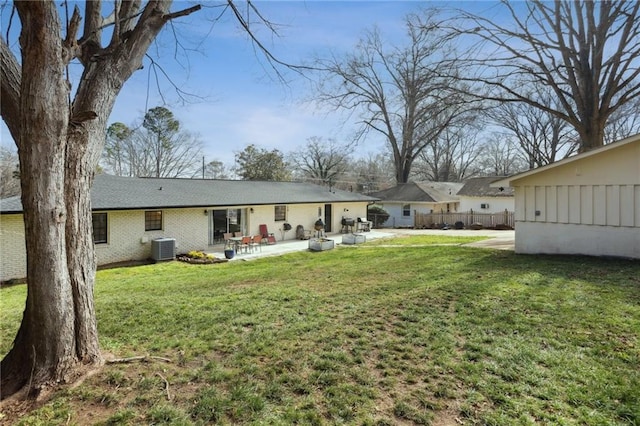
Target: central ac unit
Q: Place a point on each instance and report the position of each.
(163, 249)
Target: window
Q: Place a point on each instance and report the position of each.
(280, 213)
(406, 210)
(153, 220)
(99, 228)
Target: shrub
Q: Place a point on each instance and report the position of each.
(377, 215)
(195, 254)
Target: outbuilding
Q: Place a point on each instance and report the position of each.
(587, 204)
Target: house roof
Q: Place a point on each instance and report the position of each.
(615, 145)
(481, 187)
(131, 193)
(426, 192)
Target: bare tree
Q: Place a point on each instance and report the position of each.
(321, 162)
(624, 122)
(586, 52)
(373, 172)
(59, 128)
(501, 156)
(396, 92)
(452, 157)
(543, 138)
(9, 173)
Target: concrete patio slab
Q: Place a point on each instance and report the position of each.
(501, 240)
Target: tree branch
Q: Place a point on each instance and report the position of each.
(185, 12)
(141, 358)
(70, 44)
(10, 81)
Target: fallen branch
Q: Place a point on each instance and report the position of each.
(166, 385)
(142, 358)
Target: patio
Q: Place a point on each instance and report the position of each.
(498, 240)
(288, 246)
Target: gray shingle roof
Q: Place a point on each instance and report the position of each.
(480, 187)
(129, 193)
(428, 192)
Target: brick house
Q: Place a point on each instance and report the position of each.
(129, 213)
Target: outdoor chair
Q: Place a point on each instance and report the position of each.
(245, 244)
(256, 242)
(267, 236)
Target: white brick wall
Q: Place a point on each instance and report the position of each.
(13, 263)
(127, 240)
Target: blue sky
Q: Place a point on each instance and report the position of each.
(244, 101)
(241, 101)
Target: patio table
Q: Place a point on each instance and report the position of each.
(236, 243)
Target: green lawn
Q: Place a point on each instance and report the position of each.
(364, 335)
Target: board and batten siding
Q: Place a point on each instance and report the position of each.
(606, 205)
(589, 204)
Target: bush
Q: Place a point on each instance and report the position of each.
(195, 254)
(377, 215)
(198, 257)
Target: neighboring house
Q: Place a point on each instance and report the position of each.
(404, 201)
(478, 195)
(128, 213)
(587, 204)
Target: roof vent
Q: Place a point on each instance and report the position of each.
(163, 249)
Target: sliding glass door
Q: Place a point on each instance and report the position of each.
(224, 220)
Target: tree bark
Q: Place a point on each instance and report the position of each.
(59, 144)
(44, 348)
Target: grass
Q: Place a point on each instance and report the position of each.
(424, 240)
(366, 335)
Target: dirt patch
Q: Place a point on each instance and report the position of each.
(13, 408)
(447, 417)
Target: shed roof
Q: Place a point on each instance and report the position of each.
(426, 192)
(132, 193)
(481, 187)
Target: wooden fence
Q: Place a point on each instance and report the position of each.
(487, 220)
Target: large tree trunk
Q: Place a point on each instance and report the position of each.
(59, 145)
(81, 260)
(591, 135)
(39, 355)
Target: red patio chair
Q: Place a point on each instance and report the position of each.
(266, 235)
(256, 242)
(245, 244)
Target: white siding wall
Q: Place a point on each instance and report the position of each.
(567, 238)
(603, 205)
(397, 220)
(588, 206)
(496, 204)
